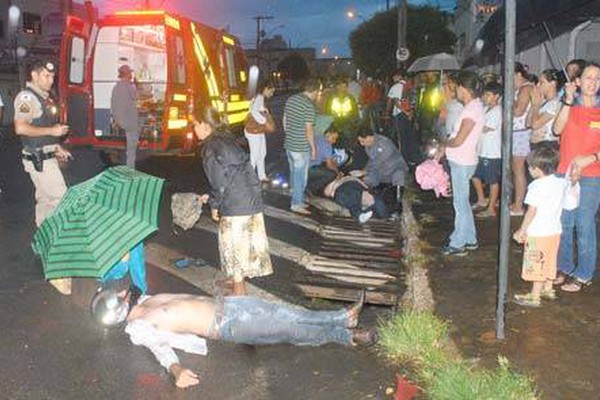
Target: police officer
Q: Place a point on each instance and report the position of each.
(36, 122)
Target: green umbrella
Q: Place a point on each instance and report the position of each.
(97, 222)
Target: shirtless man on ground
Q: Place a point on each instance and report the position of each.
(166, 321)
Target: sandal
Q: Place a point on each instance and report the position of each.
(549, 294)
(574, 286)
(527, 300)
(485, 214)
(560, 279)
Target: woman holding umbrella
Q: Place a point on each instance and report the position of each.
(235, 199)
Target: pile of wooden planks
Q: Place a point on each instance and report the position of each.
(351, 257)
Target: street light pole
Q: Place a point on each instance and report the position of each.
(258, 20)
(402, 20)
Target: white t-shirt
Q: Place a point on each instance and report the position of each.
(551, 108)
(396, 93)
(490, 144)
(546, 194)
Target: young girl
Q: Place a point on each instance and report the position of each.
(541, 227)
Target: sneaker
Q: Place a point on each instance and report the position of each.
(549, 294)
(364, 217)
(454, 251)
(471, 246)
(527, 300)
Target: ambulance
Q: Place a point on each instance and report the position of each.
(178, 64)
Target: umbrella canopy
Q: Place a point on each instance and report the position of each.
(435, 62)
(97, 222)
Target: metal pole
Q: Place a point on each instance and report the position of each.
(402, 21)
(507, 118)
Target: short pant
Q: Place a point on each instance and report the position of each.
(489, 170)
(520, 144)
(539, 258)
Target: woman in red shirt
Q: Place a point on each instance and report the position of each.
(578, 124)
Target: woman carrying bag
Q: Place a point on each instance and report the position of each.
(258, 123)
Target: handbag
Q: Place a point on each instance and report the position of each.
(252, 126)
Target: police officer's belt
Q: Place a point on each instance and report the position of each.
(39, 156)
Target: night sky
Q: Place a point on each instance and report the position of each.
(307, 23)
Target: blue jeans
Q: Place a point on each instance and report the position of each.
(252, 320)
(349, 195)
(298, 162)
(582, 222)
(464, 224)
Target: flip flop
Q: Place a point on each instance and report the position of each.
(574, 286)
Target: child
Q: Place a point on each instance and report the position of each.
(489, 167)
(541, 226)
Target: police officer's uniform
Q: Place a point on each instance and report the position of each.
(37, 108)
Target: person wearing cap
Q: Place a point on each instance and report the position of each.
(124, 111)
(36, 123)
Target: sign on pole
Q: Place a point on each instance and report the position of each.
(402, 54)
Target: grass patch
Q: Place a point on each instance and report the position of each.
(420, 339)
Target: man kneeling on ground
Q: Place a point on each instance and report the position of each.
(166, 321)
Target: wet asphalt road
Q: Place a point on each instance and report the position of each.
(49, 348)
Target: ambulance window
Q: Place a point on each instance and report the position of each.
(179, 61)
(76, 65)
(231, 67)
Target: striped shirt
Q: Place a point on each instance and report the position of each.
(299, 110)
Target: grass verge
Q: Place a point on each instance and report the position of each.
(420, 339)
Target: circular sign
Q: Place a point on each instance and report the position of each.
(402, 54)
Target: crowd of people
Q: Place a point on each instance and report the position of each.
(336, 148)
(555, 146)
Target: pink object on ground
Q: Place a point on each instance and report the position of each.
(430, 174)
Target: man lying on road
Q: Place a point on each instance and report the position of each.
(166, 321)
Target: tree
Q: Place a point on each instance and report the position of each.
(373, 43)
(294, 67)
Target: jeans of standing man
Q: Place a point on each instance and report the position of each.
(349, 195)
(251, 320)
(409, 146)
(464, 224)
(257, 143)
(133, 138)
(298, 163)
(582, 222)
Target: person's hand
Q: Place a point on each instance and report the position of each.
(63, 155)
(570, 89)
(184, 377)
(59, 130)
(536, 96)
(520, 236)
(203, 198)
(214, 214)
(440, 153)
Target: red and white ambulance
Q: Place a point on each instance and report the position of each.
(178, 65)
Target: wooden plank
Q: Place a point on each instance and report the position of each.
(387, 267)
(320, 280)
(345, 294)
(351, 272)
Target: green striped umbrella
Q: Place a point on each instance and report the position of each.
(97, 222)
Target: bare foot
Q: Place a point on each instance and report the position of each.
(354, 311)
(63, 285)
(364, 337)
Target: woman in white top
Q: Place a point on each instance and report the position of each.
(544, 107)
(521, 136)
(257, 141)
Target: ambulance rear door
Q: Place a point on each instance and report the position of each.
(75, 76)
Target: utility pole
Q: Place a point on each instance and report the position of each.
(258, 20)
(387, 5)
(402, 21)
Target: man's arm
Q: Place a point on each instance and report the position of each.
(23, 127)
(309, 131)
(142, 333)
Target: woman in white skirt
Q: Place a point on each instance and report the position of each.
(256, 140)
(236, 202)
